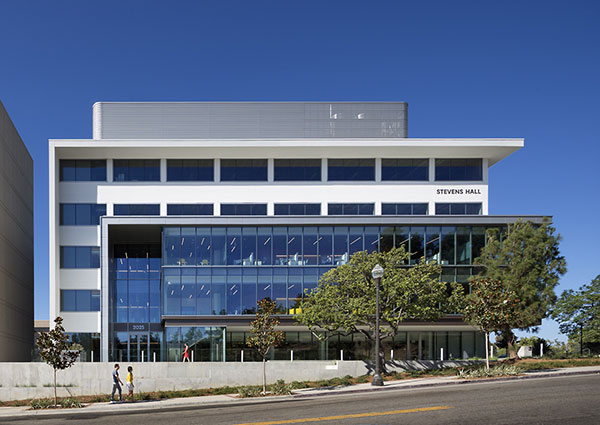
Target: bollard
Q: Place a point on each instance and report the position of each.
(291, 355)
(342, 355)
(242, 356)
(442, 354)
(192, 357)
(142, 356)
(541, 350)
(154, 357)
(392, 355)
(92, 356)
(491, 351)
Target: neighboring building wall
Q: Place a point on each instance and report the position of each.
(16, 244)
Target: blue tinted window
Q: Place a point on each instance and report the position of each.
(131, 170)
(297, 209)
(350, 209)
(82, 170)
(243, 209)
(190, 209)
(458, 170)
(351, 169)
(243, 170)
(404, 209)
(458, 208)
(405, 169)
(297, 170)
(136, 209)
(81, 214)
(190, 170)
(79, 300)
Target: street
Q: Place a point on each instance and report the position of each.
(557, 400)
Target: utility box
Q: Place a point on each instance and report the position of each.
(525, 352)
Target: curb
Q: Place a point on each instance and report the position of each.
(83, 414)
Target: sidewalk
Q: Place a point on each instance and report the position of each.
(206, 402)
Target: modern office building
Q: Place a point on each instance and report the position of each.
(16, 244)
(169, 225)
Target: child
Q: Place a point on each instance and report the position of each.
(129, 382)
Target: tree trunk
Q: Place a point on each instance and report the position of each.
(55, 398)
(487, 351)
(510, 343)
(264, 375)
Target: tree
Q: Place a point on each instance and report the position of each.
(578, 314)
(344, 301)
(56, 350)
(491, 307)
(263, 335)
(527, 260)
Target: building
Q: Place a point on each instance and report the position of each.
(16, 244)
(169, 225)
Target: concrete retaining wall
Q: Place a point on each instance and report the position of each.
(20, 381)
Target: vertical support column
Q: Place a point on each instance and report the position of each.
(431, 182)
(109, 170)
(270, 170)
(163, 170)
(484, 171)
(104, 299)
(324, 180)
(217, 170)
(377, 180)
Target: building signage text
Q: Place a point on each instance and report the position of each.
(462, 191)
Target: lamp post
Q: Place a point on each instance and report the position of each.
(377, 274)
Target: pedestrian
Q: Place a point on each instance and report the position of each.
(129, 382)
(186, 353)
(116, 384)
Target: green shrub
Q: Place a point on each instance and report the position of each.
(280, 388)
(496, 370)
(69, 402)
(362, 379)
(249, 391)
(41, 403)
(224, 390)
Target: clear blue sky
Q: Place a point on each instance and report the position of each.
(526, 69)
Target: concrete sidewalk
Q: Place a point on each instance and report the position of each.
(205, 402)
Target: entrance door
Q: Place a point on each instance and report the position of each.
(138, 347)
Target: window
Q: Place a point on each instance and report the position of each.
(82, 170)
(458, 170)
(79, 257)
(351, 169)
(243, 170)
(180, 170)
(459, 208)
(297, 209)
(404, 209)
(190, 209)
(405, 169)
(243, 209)
(136, 209)
(79, 300)
(81, 214)
(297, 170)
(136, 170)
(351, 209)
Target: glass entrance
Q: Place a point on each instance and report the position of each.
(138, 347)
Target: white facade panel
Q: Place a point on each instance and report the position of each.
(81, 321)
(79, 279)
(79, 236)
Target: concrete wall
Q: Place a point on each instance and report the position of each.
(16, 244)
(21, 381)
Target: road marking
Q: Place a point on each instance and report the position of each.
(355, 415)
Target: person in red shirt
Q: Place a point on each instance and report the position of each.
(186, 353)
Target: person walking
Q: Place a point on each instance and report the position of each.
(186, 353)
(116, 384)
(129, 382)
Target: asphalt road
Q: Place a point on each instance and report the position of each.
(559, 400)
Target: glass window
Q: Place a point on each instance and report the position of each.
(416, 244)
(264, 245)
(458, 170)
(243, 209)
(243, 170)
(249, 257)
(190, 170)
(297, 209)
(234, 246)
(405, 169)
(136, 209)
(297, 170)
(350, 169)
(448, 245)
(463, 245)
(81, 214)
(350, 209)
(203, 286)
(203, 240)
(218, 292)
(404, 209)
(190, 209)
(234, 290)
(172, 291)
(458, 208)
(79, 300)
(249, 290)
(132, 170)
(325, 245)
(82, 170)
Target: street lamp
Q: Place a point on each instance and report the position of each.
(377, 274)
